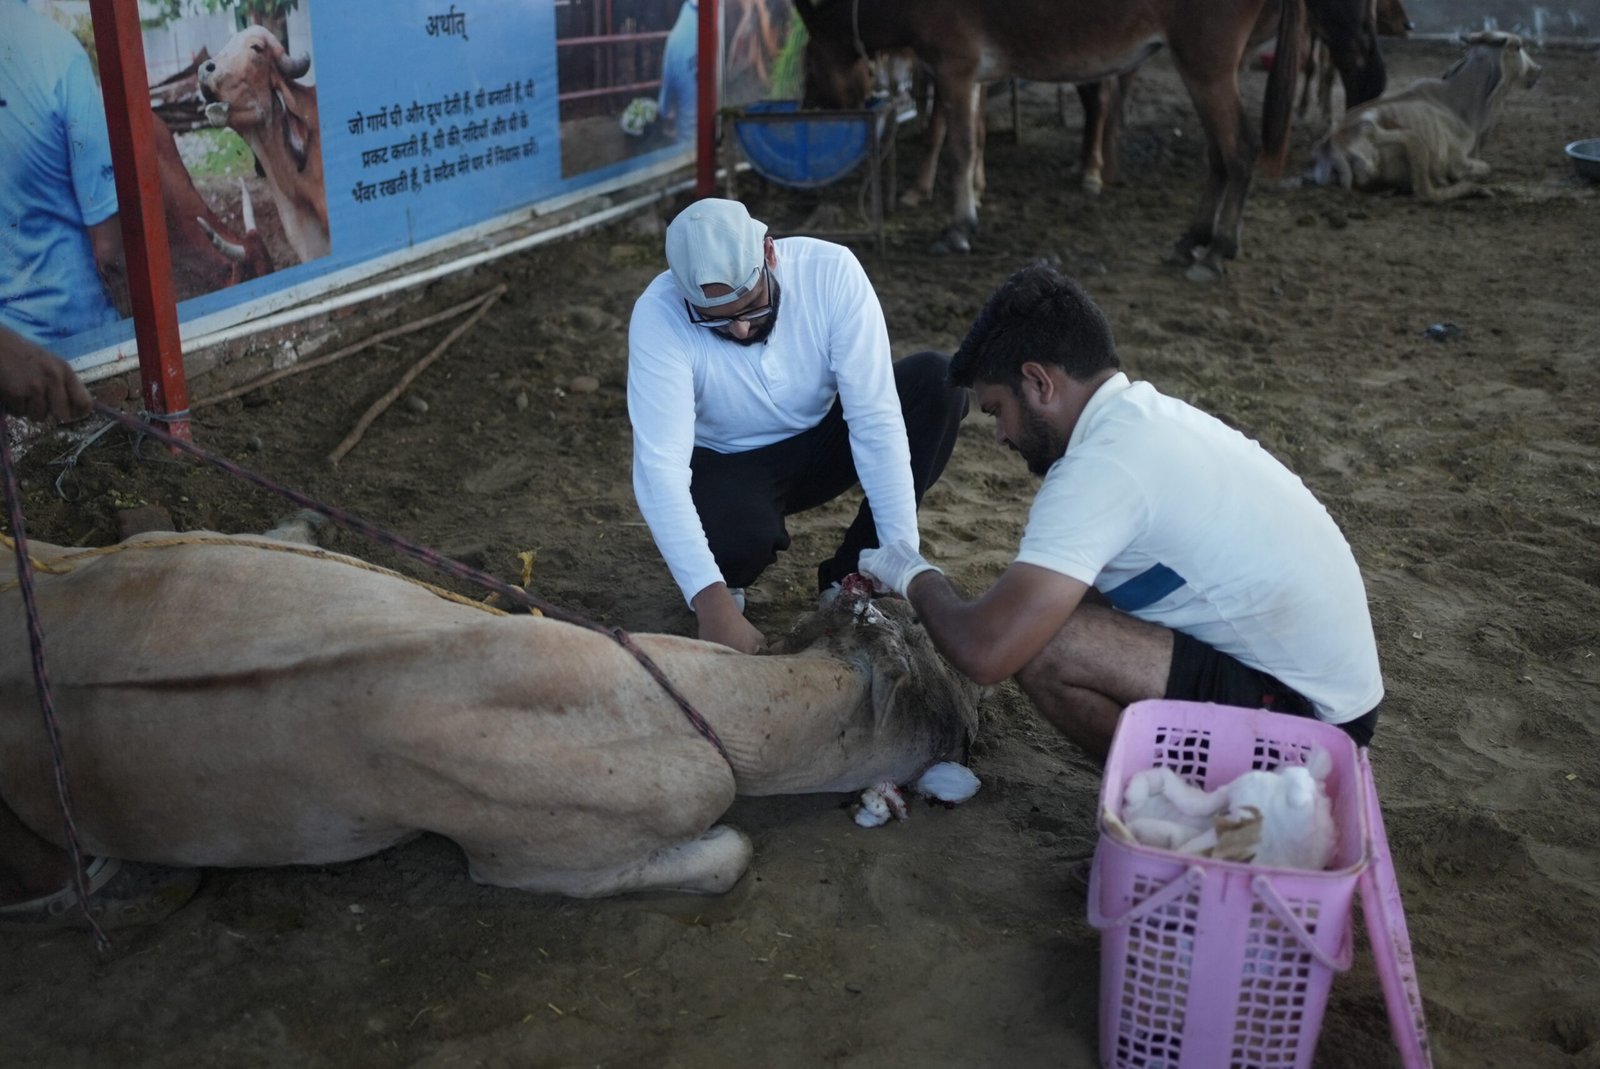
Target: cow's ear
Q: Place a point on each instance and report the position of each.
(295, 132)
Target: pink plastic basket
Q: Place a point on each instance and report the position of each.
(1217, 963)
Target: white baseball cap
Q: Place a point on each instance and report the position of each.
(714, 242)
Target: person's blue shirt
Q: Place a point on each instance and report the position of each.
(55, 179)
(678, 63)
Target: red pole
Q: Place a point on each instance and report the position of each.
(126, 87)
(708, 72)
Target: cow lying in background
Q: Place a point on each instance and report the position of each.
(251, 87)
(1426, 137)
(238, 701)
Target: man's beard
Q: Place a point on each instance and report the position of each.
(1040, 446)
(764, 331)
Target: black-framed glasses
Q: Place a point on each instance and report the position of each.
(749, 315)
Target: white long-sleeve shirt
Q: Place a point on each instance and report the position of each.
(688, 387)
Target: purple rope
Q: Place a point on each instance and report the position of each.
(41, 679)
(433, 558)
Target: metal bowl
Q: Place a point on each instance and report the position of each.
(1586, 158)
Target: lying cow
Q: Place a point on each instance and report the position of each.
(251, 87)
(1426, 137)
(238, 701)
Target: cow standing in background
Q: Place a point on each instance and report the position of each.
(251, 87)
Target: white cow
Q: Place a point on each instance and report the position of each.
(1426, 137)
(239, 701)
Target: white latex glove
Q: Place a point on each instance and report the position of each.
(892, 567)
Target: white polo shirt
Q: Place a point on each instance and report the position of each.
(1182, 521)
(688, 387)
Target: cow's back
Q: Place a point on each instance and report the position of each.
(258, 697)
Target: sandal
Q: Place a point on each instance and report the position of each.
(121, 894)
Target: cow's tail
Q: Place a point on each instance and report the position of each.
(1281, 82)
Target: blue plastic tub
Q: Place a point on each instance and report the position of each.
(805, 153)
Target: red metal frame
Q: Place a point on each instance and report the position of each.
(709, 68)
(126, 87)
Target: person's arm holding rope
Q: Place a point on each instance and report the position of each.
(36, 383)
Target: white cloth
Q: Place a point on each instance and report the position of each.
(1182, 521)
(689, 387)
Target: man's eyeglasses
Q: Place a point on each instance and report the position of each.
(749, 315)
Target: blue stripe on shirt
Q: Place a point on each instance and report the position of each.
(1145, 589)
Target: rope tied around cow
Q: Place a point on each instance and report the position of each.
(67, 562)
(143, 428)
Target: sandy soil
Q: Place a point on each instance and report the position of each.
(1464, 471)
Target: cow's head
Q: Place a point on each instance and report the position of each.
(1516, 66)
(837, 74)
(249, 85)
(919, 709)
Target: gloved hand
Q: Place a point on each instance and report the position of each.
(892, 567)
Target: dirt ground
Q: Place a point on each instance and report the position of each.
(1464, 471)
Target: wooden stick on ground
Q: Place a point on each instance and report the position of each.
(381, 404)
(339, 354)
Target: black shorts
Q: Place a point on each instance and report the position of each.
(1203, 674)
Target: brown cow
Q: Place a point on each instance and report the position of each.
(1426, 137)
(237, 701)
(1098, 158)
(1390, 19)
(207, 253)
(251, 87)
(966, 43)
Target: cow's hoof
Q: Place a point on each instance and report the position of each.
(1093, 185)
(1204, 271)
(951, 242)
(1180, 256)
(911, 198)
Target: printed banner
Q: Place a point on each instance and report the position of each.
(298, 139)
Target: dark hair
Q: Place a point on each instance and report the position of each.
(1042, 315)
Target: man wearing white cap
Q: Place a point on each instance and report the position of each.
(760, 384)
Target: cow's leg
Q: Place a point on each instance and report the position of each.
(922, 189)
(1325, 86)
(534, 808)
(1093, 96)
(1116, 105)
(710, 865)
(1231, 153)
(962, 95)
(980, 139)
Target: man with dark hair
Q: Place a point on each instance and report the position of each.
(1223, 578)
(760, 384)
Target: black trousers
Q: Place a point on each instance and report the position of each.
(742, 498)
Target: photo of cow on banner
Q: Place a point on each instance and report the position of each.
(237, 143)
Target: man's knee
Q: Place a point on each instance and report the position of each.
(923, 381)
(744, 546)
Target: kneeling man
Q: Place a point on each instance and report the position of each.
(1223, 578)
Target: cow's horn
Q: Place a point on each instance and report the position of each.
(293, 66)
(246, 207)
(229, 249)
